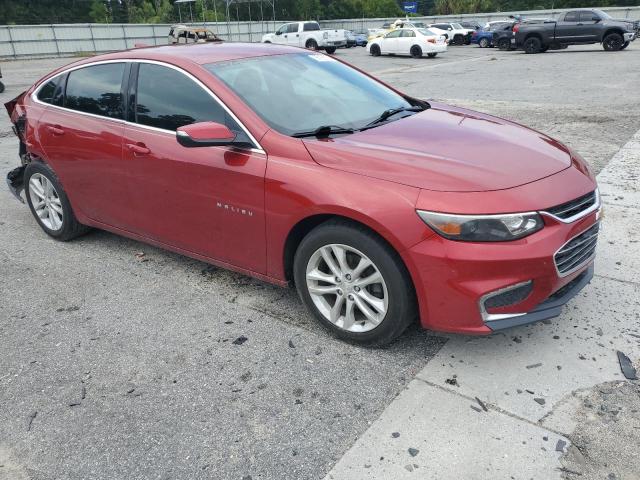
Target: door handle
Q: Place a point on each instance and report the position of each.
(55, 129)
(138, 149)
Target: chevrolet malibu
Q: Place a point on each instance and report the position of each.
(293, 167)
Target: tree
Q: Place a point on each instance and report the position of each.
(99, 12)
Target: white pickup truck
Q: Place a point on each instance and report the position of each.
(307, 35)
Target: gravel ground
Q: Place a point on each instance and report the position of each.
(118, 364)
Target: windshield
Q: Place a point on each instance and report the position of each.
(428, 33)
(457, 26)
(301, 92)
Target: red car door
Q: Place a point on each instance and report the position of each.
(81, 135)
(206, 200)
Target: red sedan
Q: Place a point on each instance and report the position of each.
(293, 167)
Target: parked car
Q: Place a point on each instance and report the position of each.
(295, 168)
(185, 34)
(457, 35)
(504, 37)
(307, 35)
(484, 37)
(388, 26)
(408, 41)
(471, 25)
(576, 27)
(354, 39)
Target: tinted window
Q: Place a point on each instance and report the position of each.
(571, 17)
(394, 34)
(311, 27)
(96, 90)
(292, 28)
(168, 99)
(408, 33)
(588, 17)
(48, 90)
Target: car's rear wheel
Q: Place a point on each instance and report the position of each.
(375, 50)
(458, 40)
(311, 44)
(354, 283)
(532, 45)
(483, 43)
(504, 44)
(49, 204)
(1, 87)
(613, 42)
(416, 51)
(432, 55)
(330, 50)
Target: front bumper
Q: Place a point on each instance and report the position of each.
(453, 278)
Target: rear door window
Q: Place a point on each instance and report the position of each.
(168, 99)
(96, 89)
(408, 33)
(588, 17)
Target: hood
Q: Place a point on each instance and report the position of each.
(446, 149)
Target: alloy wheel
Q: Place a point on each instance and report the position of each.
(347, 288)
(46, 202)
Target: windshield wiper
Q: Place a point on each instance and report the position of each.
(323, 131)
(390, 113)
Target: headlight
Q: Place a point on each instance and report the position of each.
(483, 228)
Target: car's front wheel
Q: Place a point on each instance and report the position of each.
(330, 50)
(624, 45)
(613, 42)
(483, 43)
(354, 283)
(375, 50)
(504, 44)
(49, 203)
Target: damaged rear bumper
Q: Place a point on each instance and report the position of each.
(15, 181)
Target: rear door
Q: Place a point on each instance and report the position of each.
(205, 200)
(81, 134)
(406, 40)
(293, 35)
(568, 29)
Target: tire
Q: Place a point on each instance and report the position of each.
(1, 87)
(311, 44)
(432, 55)
(416, 51)
(532, 45)
(375, 50)
(330, 50)
(483, 43)
(60, 221)
(624, 45)
(613, 42)
(458, 40)
(393, 295)
(544, 49)
(504, 44)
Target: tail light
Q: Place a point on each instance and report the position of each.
(431, 40)
(474, 34)
(516, 27)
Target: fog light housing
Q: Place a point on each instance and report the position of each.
(504, 297)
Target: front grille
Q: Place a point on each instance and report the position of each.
(577, 251)
(574, 207)
(509, 297)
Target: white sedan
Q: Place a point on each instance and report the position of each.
(408, 41)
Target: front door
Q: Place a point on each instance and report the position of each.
(390, 42)
(205, 200)
(568, 30)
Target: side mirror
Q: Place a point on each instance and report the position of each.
(279, 32)
(596, 19)
(205, 134)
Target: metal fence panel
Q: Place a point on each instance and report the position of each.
(34, 41)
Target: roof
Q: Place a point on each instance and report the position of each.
(203, 53)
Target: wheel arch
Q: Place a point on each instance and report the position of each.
(611, 30)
